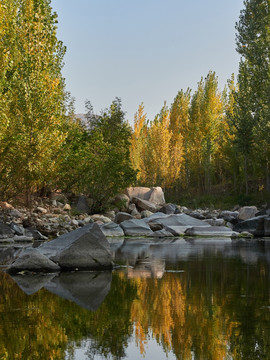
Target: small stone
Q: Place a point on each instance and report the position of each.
(74, 222)
(146, 213)
(67, 207)
(42, 210)
(88, 219)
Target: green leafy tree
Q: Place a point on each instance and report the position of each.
(34, 92)
(253, 44)
(96, 158)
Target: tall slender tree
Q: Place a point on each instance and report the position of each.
(253, 44)
(35, 94)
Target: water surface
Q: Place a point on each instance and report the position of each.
(195, 299)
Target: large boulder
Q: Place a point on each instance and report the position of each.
(154, 194)
(247, 212)
(85, 248)
(31, 259)
(255, 225)
(136, 227)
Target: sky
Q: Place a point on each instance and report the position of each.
(144, 50)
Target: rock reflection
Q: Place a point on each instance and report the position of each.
(86, 289)
(144, 268)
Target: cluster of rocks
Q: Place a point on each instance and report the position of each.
(139, 212)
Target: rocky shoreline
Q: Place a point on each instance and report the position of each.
(140, 212)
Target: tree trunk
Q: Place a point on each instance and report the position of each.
(246, 174)
(267, 177)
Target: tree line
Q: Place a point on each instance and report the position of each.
(206, 138)
(212, 138)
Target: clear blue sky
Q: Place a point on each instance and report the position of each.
(144, 50)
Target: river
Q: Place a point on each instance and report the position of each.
(202, 299)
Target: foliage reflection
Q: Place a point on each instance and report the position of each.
(215, 309)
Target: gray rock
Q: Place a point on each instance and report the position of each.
(155, 226)
(169, 209)
(111, 229)
(180, 220)
(220, 231)
(145, 204)
(18, 229)
(267, 226)
(31, 259)
(136, 227)
(153, 216)
(146, 214)
(177, 224)
(122, 216)
(197, 215)
(247, 212)
(264, 211)
(215, 222)
(162, 233)
(231, 216)
(83, 248)
(5, 231)
(131, 207)
(23, 239)
(35, 234)
(254, 225)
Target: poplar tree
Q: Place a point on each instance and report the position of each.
(253, 44)
(138, 142)
(179, 125)
(35, 94)
(206, 113)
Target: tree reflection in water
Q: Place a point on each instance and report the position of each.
(217, 308)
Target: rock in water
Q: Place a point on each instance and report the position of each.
(85, 249)
(32, 260)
